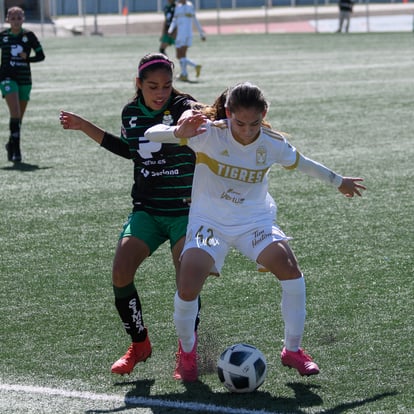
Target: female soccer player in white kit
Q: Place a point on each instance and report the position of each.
(231, 207)
(184, 16)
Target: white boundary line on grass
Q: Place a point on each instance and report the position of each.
(84, 395)
(142, 401)
(192, 406)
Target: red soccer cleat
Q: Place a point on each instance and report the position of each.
(299, 360)
(137, 352)
(186, 364)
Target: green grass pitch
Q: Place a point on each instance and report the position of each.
(346, 101)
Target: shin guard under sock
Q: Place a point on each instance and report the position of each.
(129, 308)
(293, 311)
(185, 315)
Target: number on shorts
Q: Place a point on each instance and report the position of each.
(205, 236)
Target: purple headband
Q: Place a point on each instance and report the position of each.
(151, 62)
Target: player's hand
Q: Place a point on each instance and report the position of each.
(186, 114)
(190, 126)
(351, 186)
(69, 120)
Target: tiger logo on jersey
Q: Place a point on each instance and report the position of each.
(261, 156)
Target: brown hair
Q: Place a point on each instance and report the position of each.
(14, 9)
(154, 61)
(242, 95)
(246, 95)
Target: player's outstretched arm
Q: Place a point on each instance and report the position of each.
(351, 186)
(188, 126)
(70, 120)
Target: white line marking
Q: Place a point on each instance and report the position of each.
(142, 401)
(61, 393)
(191, 406)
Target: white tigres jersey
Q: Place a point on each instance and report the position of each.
(230, 186)
(184, 16)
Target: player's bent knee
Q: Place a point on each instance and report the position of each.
(121, 278)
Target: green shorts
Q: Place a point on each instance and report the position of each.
(9, 86)
(154, 230)
(167, 39)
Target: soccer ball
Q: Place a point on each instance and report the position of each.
(242, 368)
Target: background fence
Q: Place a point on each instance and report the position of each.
(44, 9)
(145, 16)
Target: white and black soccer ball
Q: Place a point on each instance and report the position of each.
(242, 368)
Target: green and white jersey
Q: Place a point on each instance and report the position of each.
(163, 173)
(13, 66)
(169, 14)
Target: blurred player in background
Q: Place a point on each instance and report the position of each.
(161, 191)
(345, 12)
(166, 38)
(184, 16)
(15, 74)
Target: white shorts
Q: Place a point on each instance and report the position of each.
(217, 244)
(183, 41)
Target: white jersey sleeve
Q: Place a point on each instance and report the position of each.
(317, 170)
(198, 25)
(162, 133)
(306, 165)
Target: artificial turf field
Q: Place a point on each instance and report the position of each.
(346, 101)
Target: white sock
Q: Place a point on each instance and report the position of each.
(183, 65)
(185, 314)
(293, 311)
(191, 62)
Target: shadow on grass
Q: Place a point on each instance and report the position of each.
(24, 167)
(199, 398)
(349, 406)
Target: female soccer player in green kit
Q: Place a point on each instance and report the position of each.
(161, 191)
(15, 74)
